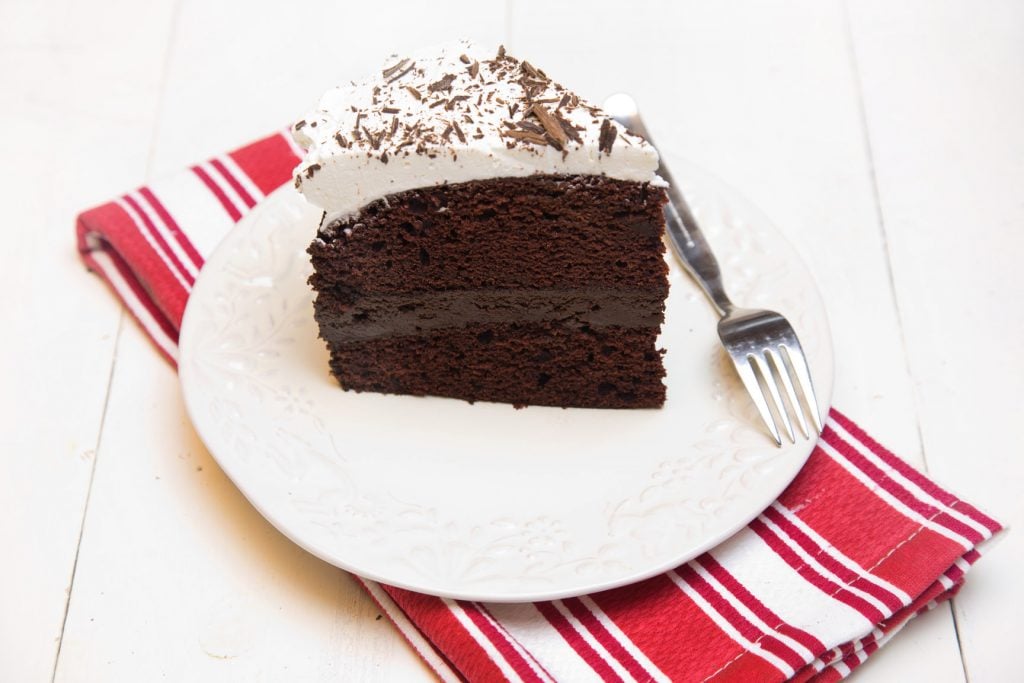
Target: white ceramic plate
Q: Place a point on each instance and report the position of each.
(483, 501)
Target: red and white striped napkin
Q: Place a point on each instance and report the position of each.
(858, 545)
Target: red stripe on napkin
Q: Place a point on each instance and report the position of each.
(858, 545)
(172, 226)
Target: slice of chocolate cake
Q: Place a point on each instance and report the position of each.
(487, 235)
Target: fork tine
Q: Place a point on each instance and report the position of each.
(746, 374)
(798, 365)
(773, 391)
(787, 384)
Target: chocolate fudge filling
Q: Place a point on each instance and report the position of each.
(387, 315)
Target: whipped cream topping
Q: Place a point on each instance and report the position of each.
(452, 114)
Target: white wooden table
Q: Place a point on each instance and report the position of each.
(886, 139)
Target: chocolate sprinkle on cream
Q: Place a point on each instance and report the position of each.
(402, 73)
(392, 70)
(556, 136)
(608, 135)
(444, 83)
(567, 128)
(458, 132)
(529, 68)
(526, 136)
(474, 116)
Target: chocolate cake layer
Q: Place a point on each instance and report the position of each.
(536, 232)
(350, 318)
(541, 363)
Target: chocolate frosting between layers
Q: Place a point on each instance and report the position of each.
(380, 316)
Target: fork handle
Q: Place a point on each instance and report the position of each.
(684, 232)
(690, 246)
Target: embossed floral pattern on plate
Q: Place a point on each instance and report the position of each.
(483, 501)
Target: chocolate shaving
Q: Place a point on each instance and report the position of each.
(455, 100)
(532, 84)
(552, 127)
(568, 128)
(394, 127)
(313, 168)
(359, 118)
(341, 140)
(447, 134)
(444, 83)
(464, 59)
(526, 136)
(299, 125)
(458, 132)
(374, 139)
(501, 52)
(390, 110)
(395, 68)
(437, 103)
(528, 68)
(532, 127)
(384, 157)
(474, 69)
(607, 136)
(405, 71)
(564, 101)
(414, 92)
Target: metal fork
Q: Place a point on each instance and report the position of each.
(762, 344)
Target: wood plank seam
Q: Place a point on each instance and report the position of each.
(880, 217)
(876, 198)
(150, 156)
(88, 496)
